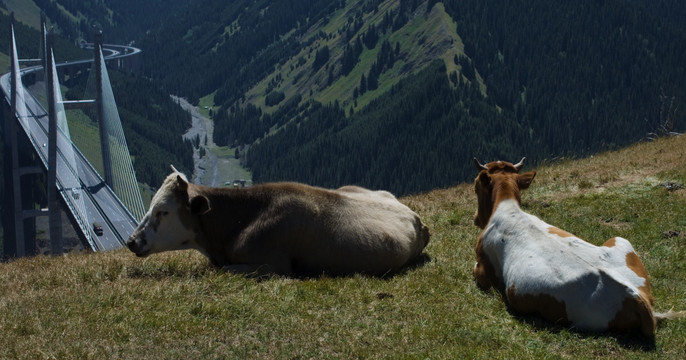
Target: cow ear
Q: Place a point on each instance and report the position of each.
(200, 205)
(525, 180)
(181, 183)
(484, 178)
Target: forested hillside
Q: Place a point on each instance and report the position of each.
(400, 94)
(228, 46)
(671, 11)
(121, 20)
(152, 124)
(28, 40)
(343, 92)
(578, 76)
(414, 137)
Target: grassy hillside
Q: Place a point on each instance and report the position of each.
(113, 305)
(423, 39)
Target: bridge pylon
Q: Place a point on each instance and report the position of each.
(100, 105)
(42, 51)
(102, 211)
(55, 216)
(21, 228)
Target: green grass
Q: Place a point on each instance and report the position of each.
(146, 194)
(85, 134)
(175, 305)
(425, 38)
(206, 101)
(228, 167)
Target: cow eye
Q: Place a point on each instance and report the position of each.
(162, 213)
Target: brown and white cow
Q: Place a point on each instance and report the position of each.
(282, 228)
(547, 271)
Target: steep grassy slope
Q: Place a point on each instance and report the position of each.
(113, 305)
(556, 79)
(427, 36)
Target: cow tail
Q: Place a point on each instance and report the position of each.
(669, 315)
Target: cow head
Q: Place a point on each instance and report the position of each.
(497, 181)
(171, 223)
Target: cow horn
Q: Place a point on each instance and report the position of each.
(478, 165)
(173, 169)
(520, 164)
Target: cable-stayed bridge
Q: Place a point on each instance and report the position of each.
(103, 210)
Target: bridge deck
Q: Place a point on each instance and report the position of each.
(101, 204)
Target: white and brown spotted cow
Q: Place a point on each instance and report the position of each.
(546, 271)
(282, 228)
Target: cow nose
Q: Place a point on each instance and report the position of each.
(134, 241)
(131, 243)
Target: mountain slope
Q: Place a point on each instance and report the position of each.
(433, 127)
(120, 20)
(555, 79)
(425, 37)
(538, 78)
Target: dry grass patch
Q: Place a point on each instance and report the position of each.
(611, 169)
(176, 306)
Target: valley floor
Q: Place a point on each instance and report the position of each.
(216, 166)
(205, 171)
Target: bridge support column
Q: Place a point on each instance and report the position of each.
(20, 227)
(100, 105)
(55, 215)
(43, 42)
(20, 234)
(12, 128)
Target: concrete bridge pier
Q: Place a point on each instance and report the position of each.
(20, 182)
(55, 215)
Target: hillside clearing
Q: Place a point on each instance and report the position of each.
(114, 305)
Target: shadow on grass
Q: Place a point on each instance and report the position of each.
(629, 340)
(414, 264)
(418, 262)
(179, 269)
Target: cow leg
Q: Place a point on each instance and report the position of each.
(482, 281)
(483, 272)
(636, 312)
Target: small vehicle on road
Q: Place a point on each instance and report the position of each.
(97, 229)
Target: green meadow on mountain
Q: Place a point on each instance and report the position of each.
(395, 94)
(345, 92)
